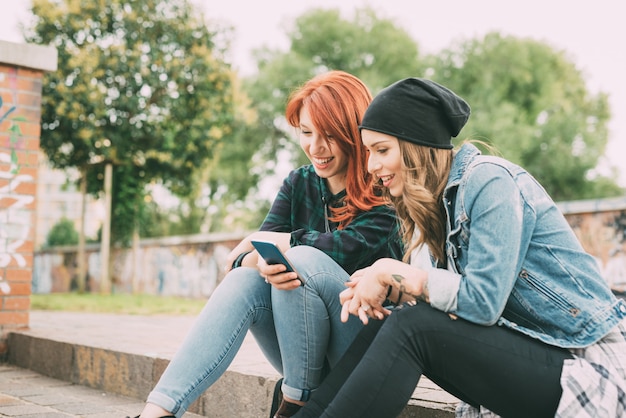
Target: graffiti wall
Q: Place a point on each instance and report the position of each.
(20, 111)
(15, 218)
(190, 267)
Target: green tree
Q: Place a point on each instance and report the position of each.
(140, 83)
(531, 102)
(62, 233)
(221, 199)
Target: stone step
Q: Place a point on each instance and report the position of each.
(126, 354)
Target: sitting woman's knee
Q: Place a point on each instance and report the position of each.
(302, 252)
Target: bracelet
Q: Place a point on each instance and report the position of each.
(399, 298)
(239, 259)
(423, 296)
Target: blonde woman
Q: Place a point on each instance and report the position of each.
(512, 316)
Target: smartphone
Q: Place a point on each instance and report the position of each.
(273, 255)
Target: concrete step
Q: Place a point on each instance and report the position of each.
(126, 354)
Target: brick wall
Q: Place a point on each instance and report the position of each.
(22, 68)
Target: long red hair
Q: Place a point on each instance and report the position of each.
(336, 102)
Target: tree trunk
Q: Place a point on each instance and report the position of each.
(82, 262)
(105, 243)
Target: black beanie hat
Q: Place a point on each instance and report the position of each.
(419, 111)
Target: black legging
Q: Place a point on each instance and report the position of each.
(509, 373)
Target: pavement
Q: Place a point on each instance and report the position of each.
(24, 393)
(104, 365)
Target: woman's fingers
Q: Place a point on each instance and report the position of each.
(362, 313)
(276, 275)
(345, 313)
(346, 295)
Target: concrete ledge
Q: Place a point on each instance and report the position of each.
(108, 361)
(33, 56)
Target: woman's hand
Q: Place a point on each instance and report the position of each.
(353, 304)
(245, 246)
(277, 276)
(367, 288)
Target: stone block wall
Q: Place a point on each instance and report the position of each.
(185, 266)
(21, 71)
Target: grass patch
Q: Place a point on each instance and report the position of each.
(116, 303)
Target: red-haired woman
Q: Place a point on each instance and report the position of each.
(330, 224)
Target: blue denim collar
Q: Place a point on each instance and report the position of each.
(462, 158)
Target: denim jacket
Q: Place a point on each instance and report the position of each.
(514, 260)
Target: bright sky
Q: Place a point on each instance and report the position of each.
(592, 34)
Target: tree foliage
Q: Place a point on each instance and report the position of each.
(144, 84)
(62, 233)
(140, 83)
(532, 104)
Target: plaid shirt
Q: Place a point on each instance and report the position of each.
(301, 208)
(593, 383)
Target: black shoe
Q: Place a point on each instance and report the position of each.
(277, 399)
(164, 416)
(287, 409)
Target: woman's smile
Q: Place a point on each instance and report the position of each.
(321, 163)
(386, 180)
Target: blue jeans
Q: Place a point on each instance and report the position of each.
(299, 331)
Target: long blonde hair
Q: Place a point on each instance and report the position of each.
(425, 173)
